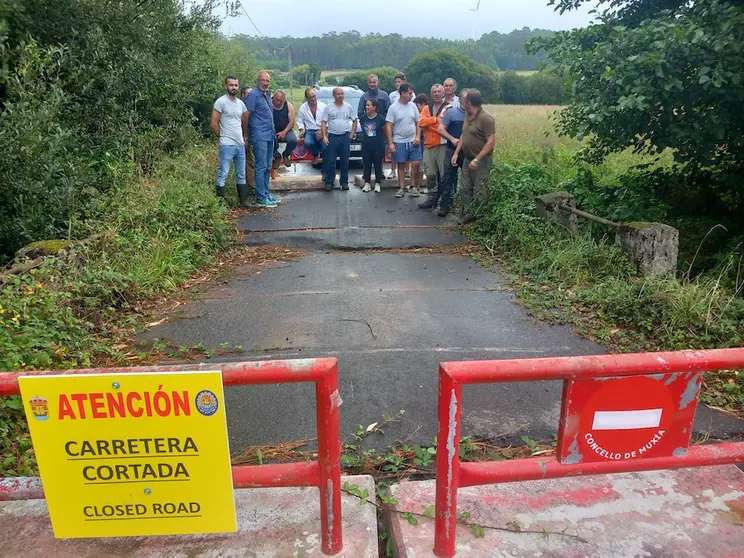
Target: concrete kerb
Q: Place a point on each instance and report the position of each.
(271, 522)
(685, 513)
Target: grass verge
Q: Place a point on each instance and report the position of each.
(75, 311)
(586, 280)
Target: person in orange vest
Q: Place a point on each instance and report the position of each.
(434, 145)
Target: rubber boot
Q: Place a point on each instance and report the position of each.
(243, 195)
(221, 194)
(430, 202)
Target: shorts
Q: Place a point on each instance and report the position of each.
(407, 152)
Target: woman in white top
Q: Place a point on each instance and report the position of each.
(309, 121)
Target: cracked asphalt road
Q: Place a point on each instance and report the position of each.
(389, 318)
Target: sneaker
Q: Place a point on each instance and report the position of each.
(377, 188)
(344, 186)
(266, 203)
(367, 187)
(329, 187)
(275, 199)
(287, 162)
(414, 192)
(400, 193)
(424, 190)
(443, 210)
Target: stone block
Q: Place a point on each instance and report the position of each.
(271, 522)
(687, 513)
(547, 207)
(651, 247)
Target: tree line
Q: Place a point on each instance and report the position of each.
(540, 88)
(93, 91)
(351, 50)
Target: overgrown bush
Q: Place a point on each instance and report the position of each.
(149, 237)
(92, 91)
(591, 272)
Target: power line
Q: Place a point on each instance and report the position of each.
(257, 29)
(287, 47)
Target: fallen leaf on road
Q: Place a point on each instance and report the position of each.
(153, 324)
(120, 346)
(371, 427)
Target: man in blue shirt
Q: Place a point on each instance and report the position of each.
(261, 136)
(450, 128)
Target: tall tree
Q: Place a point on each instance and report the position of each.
(658, 74)
(435, 67)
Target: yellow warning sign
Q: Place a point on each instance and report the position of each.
(132, 454)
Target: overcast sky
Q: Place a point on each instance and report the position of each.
(450, 19)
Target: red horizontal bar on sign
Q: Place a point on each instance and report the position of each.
(594, 366)
(306, 473)
(233, 373)
(536, 468)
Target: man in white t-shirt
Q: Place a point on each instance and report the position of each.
(399, 80)
(404, 138)
(229, 123)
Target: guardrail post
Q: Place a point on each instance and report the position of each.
(448, 465)
(329, 459)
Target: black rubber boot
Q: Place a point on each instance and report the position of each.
(430, 202)
(243, 194)
(221, 194)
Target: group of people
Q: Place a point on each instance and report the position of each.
(438, 136)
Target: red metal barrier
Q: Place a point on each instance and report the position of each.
(325, 473)
(451, 474)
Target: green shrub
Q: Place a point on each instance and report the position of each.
(148, 238)
(590, 271)
(92, 92)
(538, 88)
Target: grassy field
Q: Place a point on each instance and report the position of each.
(329, 73)
(525, 134)
(523, 72)
(526, 125)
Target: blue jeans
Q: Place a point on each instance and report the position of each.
(228, 154)
(338, 146)
(290, 142)
(312, 144)
(263, 150)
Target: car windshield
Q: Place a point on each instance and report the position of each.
(351, 97)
